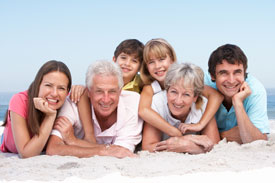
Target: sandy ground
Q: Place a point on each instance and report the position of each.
(227, 162)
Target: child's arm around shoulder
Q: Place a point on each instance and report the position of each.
(152, 117)
(85, 115)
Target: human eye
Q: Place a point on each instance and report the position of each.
(98, 91)
(239, 71)
(150, 62)
(63, 88)
(222, 73)
(47, 84)
(135, 60)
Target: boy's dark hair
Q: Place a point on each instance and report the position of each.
(229, 52)
(130, 47)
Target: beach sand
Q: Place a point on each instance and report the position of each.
(227, 162)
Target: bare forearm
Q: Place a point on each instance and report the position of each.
(154, 119)
(37, 143)
(248, 132)
(85, 115)
(82, 143)
(71, 150)
(214, 101)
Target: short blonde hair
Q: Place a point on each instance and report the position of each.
(160, 48)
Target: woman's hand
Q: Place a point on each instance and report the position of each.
(76, 92)
(43, 106)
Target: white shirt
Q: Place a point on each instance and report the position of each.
(126, 131)
(160, 105)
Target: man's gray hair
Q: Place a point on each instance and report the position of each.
(193, 76)
(103, 68)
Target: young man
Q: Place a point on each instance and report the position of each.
(242, 117)
(117, 127)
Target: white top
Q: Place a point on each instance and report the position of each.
(156, 87)
(159, 104)
(125, 132)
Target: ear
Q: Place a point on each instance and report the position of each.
(213, 78)
(114, 59)
(88, 93)
(195, 99)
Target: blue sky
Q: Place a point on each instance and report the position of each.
(79, 32)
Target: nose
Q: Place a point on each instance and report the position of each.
(158, 64)
(179, 99)
(54, 91)
(106, 98)
(127, 62)
(231, 78)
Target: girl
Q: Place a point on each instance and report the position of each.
(158, 55)
(32, 113)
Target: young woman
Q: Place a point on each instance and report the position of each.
(32, 113)
(181, 103)
(158, 55)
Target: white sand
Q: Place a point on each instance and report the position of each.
(227, 162)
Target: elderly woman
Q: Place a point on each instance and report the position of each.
(181, 103)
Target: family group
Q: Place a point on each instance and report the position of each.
(142, 100)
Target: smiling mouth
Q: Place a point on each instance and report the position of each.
(178, 106)
(160, 73)
(52, 100)
(231, 87)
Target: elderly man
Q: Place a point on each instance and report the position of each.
(117, 127)
(242, 117)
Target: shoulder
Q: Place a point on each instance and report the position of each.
(159, 100)
(129, 97)
(19, 99)
(68, 108)
(254, 84)
(156, 87)
(208, 81)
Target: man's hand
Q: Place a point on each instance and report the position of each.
(65, 127)
(118, 151)
(244, 92)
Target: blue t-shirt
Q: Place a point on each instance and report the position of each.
(255, 106)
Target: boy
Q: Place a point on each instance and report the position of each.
(129, 56)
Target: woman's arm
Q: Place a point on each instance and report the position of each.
(85, 115)
(150, 137)
(211, 131)
(26, 145)
(152, 117)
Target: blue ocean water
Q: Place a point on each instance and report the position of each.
(6, 96)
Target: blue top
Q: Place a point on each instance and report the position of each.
(255, 106)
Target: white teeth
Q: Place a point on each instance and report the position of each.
(177, 106)
(51, 100)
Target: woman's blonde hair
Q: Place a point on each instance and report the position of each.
(160, 48)
(192, 75)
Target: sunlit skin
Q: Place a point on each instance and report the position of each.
(104, 95)
(54, 89)
(158, 67)
(180, 100)
(229, 79)
(129, 65)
